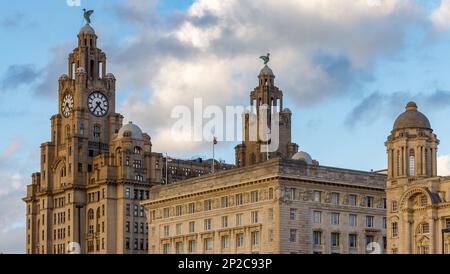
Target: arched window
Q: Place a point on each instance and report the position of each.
(412, 162)
(137, 150)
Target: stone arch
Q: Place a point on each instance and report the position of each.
(406, 197)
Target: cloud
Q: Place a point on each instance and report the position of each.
(320, 49)
(377, 105)
(17, 75)
(441, 16)
(17, 20)
(443, 165)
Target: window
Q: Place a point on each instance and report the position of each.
(270, 235)
(208, 205)
(192, 227)
(270, 213)
(394, 206)
(191, 208)
(192, 246)
(334, 239)
(96, 132)
(208, 244)
(166, 212)
(166, 248)
(293, 235)
(394, 229)
(255, 238)
(270, 193)
(352, 238)
(135, 244)
(384, 205)
(369, 201)
(317, 217)
(384, 223)
(317, 196)
(239, 219)
(412, 162)
(166, 231)
(292, 213)
(179, 248)
(224, 221)
(128, 209)
(137, 163)
(369, 221)
(178, 229)
(290, 193)
(127, 243)
(254, 217)
(239, 199)
(141, 211)
(352, 219)
(135, 210)
(425, 228)
(127, 192)
(334, 218)
(335, 198)
(352, 200)
(224, 202)
(225, 241)
(254, 196)
(207, 225)
(447, 223)
(127, 226)
(136, 227)
(178, 210)
(369, 239)
(240, 240)
(137, 150)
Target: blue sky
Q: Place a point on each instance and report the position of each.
(345, 78)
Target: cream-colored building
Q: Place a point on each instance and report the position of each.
(279, 202)
(418, 200)
(94, 171)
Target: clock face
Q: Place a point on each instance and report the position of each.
(67, 105)
(98, 104)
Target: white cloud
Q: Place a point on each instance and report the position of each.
(319, 49)
(441, 16)
(443, 165)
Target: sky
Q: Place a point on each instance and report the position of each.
(347, 69)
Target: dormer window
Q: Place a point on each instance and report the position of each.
(137, 150)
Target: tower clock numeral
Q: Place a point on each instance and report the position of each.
(98, 104)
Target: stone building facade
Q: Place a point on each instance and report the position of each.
(278, 206)
(94, 171)
(418, 200)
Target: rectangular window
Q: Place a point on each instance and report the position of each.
(293, 235)
(208, 205)
(317, 217)
(317, 237)
(240, 240)
(127, 192)
(191, 208)
(270, 193)
(254, 196)
(239, 199)
(394, 206)
(208, 244)
(178, 210)
(352, 219)
(255, 238)
(352, 240)
(317, 196)
(254, 217)
(192, 227)
(369, 201)
(352, 200)
(369, 239)
(369, 221)
(225, 241)
(207, 225)
(166, 248)
(127, 226)
(239, 219)
(166, 212)
(179, 248)
(135, 210)
(178, 228)
(224, 221)
(334, 239)
(166, 231)
(224, 202)
(192, 246)
(384, 223)
(128, 209)
(127, 243)
(394, 229)
(334, 218)
(447, 223)
(136, 227)
(335, 198)
(292, 213)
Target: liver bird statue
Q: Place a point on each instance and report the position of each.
(266, 59)
(87, 15)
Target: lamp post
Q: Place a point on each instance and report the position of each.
(444, 230)
(79, 206)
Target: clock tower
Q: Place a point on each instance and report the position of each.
(95, 171)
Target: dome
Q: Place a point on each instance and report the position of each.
(266, 71)
(130, 130)
(287, 110)
(411, 118)
(87, 29)
(63, 77)
(110, 76)
(303, 156)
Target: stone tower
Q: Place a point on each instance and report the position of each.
(94, 171)
(414, 192)
(266, 102)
